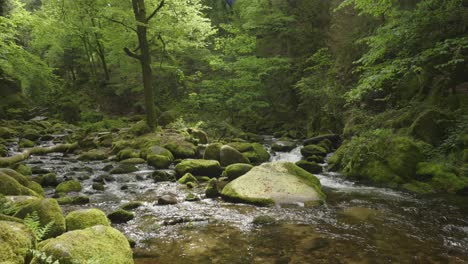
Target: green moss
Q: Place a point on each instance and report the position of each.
(16, 242)
(94, 154)
(49, 179)
(465, 155)
(97, 244)
(157, 150)
(10, 186)
(85, 218)
(123, 169)
(131, 205)
(440, 177)
(431, 126)
(181, 149)
(22, 169)
(188, 177)
(31, 134)
(234, 171)
(264, 220)
(310, 166)
(212, 152)
(127, 153)
(98, 186)
(307, 177)
(76, 200)
(26, 143)
(211, 190)
(209, 168)
(68, 186)
(161, 176)
(48, 211)
(133, 161)
(140, 128)
(7, 133)
(120, 216)
(158, 161)
(311, 150)
(231, 195)
(15, 175)
(283, 145)
(10, 219)
(258, 155)
(418, 187)
(242, 146)
(36, 187)
(229, 155)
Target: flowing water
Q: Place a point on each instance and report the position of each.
(358, 224)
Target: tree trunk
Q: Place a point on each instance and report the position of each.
(139, 10)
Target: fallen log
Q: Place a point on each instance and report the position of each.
(7, 161)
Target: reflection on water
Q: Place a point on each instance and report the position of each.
(358, 224)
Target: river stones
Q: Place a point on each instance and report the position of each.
(234, 171)
(275, 183)
(310, 166)
(167, 199)
(84, 218)
(211, 190)
(188, 177)
(157, 150)
(210, 168)
(124, 168)
(68, 186)
(158, 161)
(229, 155)
(94, 154)
(120, 216)
(311, 150)
(283, 146)
(16, 242)
(97, 244)
(10, 186)
(48, 211)
(181, 149)
(212, 152)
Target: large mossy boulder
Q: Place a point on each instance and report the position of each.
(229, 155)
(10, 186)
(234, 171)
(158, 161)
(84, 218)
(199, 135)
(440, 177)
(157, 150)
(48, 211)
(128, 153)
(313, 150)
(275, 183)
(16, 242)
(181, 149)
(380, 158)
(94, 154)
(310, 166)
(254, 152)
(123, 169)
(283, 145)
(97, 244)
(212, 151)
(431, 126)
(120, 216)
(210, 168)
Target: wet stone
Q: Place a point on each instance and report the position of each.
(167, 199)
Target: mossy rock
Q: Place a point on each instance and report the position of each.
(16, 242)
(441, 177)
(68, 186)
(315, 158)
(210, 168)
(181, 149)
(465, 155)
(258, 155)
(274, 183)
(418, 187)
(127, 153)
(162, 176)
(230, 155)
(157, 150)
(26, 143)
(31, 134)
(311, 150)
(131, 205)
(120, 216)
(98, 186)
(23, 180)
(123, 169)
(48, 211)
(6, 133)
(84, 218)
(133, 161)
(4, 217)
(140, 128)
(73, 200)
(94, 154)
(49, 179)
(10, 186)
(211, 190)
(431, 126)
(97, 244)
(242, 146)
(3, 150)
(234, 171)
(199, 135)
(310, 166)
(158, 161)
(283, 146)
(212, 152)
(264, 220)
(22, 169)
(36, 187)
(188, 177)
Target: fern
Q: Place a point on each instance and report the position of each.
(32, 221)
(42, 257)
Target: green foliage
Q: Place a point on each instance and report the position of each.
(6, 207)
(43, 258)
(32, 221)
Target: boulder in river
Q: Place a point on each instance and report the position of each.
(311, 150)
(120, 216)
(68, 186)
(94, 154)
(275, 183)
(310, 166)
(212, 151)
(229, 155)
(167, 199)
(283, 146)
(334, 138)
(234, 171)
(10, 186)
(124, 168)
(97, 244)
(199, 167)
(158, 161)
(84, 218)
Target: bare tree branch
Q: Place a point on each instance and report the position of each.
(120, 23)
(131, 54)
(155, 11)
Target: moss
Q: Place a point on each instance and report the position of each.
(26, 143)
(310, 166)
(181, 149)
(211, 190)
(418, 187)
(209, 168)
(16, 242)
(98, 186)
(3, 151)
(242, 146)
(68, 186)
(315, 158)
(36, 187)
(76, 200)
(97, 244)
(124, 168)
(229, 155)
(131, 205)
(157, 150)
(431, 126)
(158, 161)
(199, 135)
(283, 145)
(188, 177)
(234, 171)
(212, 152)
(85, 218)
(31, 134)
(441, 177)
(49, 179)
(22, 169)
(161, 176)
(15, 175)
(10, 186)
(120, 216)
(119, 145)
(10, 219)
(140, 128)
(258, 155)
(264, 220)
(7, 133)
(48, 211)
(465, 155)
(93, 155)
(311, 150)
(133, 161)
(127, 153)
(231, 195)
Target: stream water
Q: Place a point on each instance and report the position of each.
(358, 224)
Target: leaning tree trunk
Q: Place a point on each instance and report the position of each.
(139, 10)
